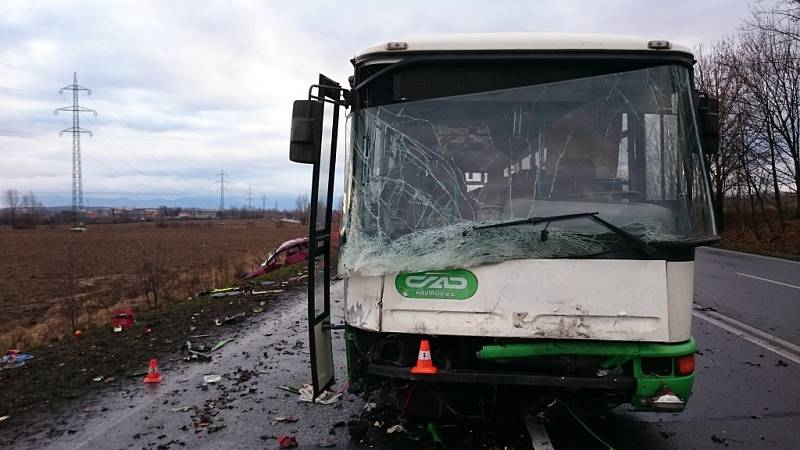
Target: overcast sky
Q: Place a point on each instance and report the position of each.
(186, 88)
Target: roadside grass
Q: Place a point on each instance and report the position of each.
(758, 238)
(64, 369)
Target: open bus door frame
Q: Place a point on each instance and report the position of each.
(319, 235)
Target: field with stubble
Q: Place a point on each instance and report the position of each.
(50, 274)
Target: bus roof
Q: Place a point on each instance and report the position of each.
(522, 42)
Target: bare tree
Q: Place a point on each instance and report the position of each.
(31, 210)
(152, 274)
(11, 201)
(72, 306)
(302, 207)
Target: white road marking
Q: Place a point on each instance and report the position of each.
(715, 249)
(747, 337)
(538, 433)
(769, 337)
(767, 280)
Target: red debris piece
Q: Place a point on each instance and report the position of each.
(287, 441)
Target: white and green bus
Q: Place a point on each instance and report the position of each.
(528, 204)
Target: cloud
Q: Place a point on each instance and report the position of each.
(184, 90)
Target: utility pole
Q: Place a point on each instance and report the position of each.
(276, 205)
(76, 130)
(249, 197)
(263, 201)
(221, 181)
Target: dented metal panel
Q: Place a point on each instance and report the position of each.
(571, 299)
(362, 297)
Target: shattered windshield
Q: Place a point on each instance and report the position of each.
(424, 174)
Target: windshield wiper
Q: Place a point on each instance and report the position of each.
(634, 241)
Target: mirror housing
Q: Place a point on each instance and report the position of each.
(305, 137)
(708, 116)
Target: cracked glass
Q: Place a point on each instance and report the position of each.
(423, 174)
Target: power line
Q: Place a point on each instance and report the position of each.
(250, 197)
(221, 180)
(76, 130)
(263, 201)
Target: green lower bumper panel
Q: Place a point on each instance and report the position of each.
(661, 393)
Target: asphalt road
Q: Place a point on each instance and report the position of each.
(747, 392)
(745, 395)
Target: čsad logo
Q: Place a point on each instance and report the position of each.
(453, 284)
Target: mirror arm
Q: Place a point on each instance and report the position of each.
(324, 94)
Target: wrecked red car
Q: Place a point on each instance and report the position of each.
(290, 252)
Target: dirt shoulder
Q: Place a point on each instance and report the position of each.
(777, 243)
(66, 370)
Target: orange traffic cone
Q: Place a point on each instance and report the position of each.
(153, 374)
(424, 361)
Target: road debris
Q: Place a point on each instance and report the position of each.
(14, 359)
(97, 379)
(287, 419)
(4, 418)
(210, 379)
(395, 429)
(229, 319)
(781, 363)
(136, 374)
(221, 343)
(325, 398)
(327, 442)
(369, 406)
(122, 318)
(287, 441)
(180, 409)
(291, 389)
(435, 434)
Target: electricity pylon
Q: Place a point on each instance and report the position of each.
(76, 130)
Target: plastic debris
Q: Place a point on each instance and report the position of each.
(287, 441)
(13, 359)
(435, 434)
(122, 318)
(137, 374)
(228, 319)
(208, 379)
(325, 398)
(97, 379)
(291, 389)
(288, 419)
(4, 418)
(327, 442)
(181, 409)
(220, 344)
(395, 429)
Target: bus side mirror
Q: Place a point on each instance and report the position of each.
(305, 138)
(708, 114)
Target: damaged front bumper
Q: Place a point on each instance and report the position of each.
(649, 376)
